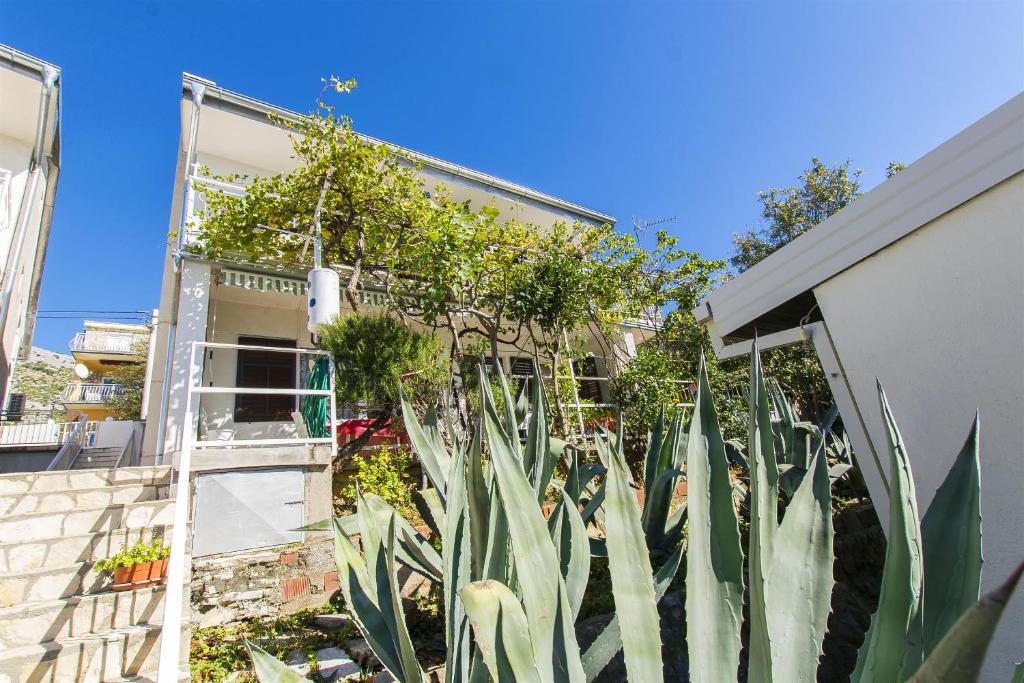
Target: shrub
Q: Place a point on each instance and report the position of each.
(384, 472)
(138, 554)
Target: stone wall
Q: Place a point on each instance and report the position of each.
(262, 583)
(267, 583)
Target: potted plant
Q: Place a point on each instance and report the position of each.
(144, 564)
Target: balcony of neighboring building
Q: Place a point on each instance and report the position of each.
(90, 398)
(105, 348)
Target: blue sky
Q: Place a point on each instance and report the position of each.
(648, 110)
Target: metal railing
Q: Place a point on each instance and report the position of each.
(24, 433)
(90, 393)
(106, 342)
(170, 638)
(76, 440)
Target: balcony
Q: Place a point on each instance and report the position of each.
(90, 393)
(106, 342)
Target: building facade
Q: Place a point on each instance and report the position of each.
(99, 351)
(237, 325)
(29, 168)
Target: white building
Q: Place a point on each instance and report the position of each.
(251, 458)
(919, 283)
(29, 167)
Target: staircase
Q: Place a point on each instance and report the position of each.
(95, 458)
(59, 620)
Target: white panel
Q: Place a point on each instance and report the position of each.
(247, 509)
(937, 317)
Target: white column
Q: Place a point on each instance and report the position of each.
(193, 306)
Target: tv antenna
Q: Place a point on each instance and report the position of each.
(640, 225)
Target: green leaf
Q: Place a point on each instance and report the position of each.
(764, 502)
(269, 669)
(456, 555)
(635, 603)
(714, 560)
(535, 560)
(413, 550)
(501, 631)
(951, 534)
(608, 642)
(799, 586)
(960, 655)
(882, 655)
(428, 446)
(569, 536)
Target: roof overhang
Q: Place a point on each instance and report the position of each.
(777, 294)
(222, 98)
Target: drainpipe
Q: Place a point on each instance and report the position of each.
(150, 354)
(50, 76)
(198, 91)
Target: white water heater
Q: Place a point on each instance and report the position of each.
(324, 292)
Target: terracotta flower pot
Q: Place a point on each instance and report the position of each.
(140, 575)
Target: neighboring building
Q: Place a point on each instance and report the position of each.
(918, 284)
(38, 384)
(99, 351)
(234, 303)
(29, 167)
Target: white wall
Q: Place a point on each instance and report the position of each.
(938, 318)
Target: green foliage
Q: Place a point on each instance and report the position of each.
(384, 473)
(218, 651)
(137, 554)
(651, 382)
(519, 582)
(42, 383)
(791, 211)
(127, 404)
(375, 354)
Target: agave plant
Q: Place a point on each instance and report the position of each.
(513, 581)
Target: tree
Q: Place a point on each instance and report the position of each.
(439, 263)
(126, 404)
(790, 212)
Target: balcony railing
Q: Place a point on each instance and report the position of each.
(106, 342)
(90, 393)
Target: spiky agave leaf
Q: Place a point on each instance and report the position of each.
(501, 631)
(764, 501)
(545, 600)
(412, 550)
(428, 445)
(269, 669)
(799, 584)
(456, 551)
(714, 560)
(959, 656)
(608, 642)
(884, 649)
(632, 588)
(951, 535)
(569, 536)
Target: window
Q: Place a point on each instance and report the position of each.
(589, 389)
(265, 370)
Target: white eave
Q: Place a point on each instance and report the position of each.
(976, 159)
(250, 104)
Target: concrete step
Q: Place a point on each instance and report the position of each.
(79, 499)
(45, 525)
(39, 622)
(51, 583)
(93, 458)
(71, 480)
(64, 550)
(112, 656)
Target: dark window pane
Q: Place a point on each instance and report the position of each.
(265, 370)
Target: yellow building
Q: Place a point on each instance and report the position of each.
(98, 351)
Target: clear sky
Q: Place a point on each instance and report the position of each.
(647, 110)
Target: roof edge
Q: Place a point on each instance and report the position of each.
(252, 104)
(24, 62)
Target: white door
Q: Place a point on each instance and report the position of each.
(247, 509)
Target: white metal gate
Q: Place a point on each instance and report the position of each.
(247, 509)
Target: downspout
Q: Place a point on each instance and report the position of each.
(198, 90)
(50, 76)
(150, 356)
